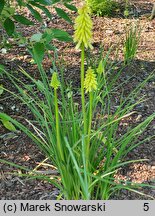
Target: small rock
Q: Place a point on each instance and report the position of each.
(153, 192)
(3, 51)
(13, 107)
(109, 31)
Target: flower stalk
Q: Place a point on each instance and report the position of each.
(55, 84)
(90, 118)
(83, 37)
(82, 90)
(90, 84)
(57, 125)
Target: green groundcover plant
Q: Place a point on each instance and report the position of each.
(102, 7)
(86, 152)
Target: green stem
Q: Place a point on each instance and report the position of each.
(90, 121)
(82, 90)
(57, 125)
(86, 152)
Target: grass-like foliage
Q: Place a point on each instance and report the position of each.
(86, 150)
(131, 43)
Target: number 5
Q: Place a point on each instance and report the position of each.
(146, 207)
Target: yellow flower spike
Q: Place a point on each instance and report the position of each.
(83, 28)
(90, 82)
(54, 81)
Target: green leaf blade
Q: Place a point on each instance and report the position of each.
(38, 52)
(70, 7)
(8, 125)
(1, 5)
(36, 37)
(1, 89)
(43, 8)
(61, 13)
(44, 2)
(2, 68)
(9, 26)
(35, 13)
(21, 19)
(20, 3)
(61, 35)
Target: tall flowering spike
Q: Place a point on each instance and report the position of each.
(54, 81)
(90, 82)
(83, 28)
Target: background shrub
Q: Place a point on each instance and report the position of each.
(103, 7)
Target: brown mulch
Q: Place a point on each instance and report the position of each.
(19, 149)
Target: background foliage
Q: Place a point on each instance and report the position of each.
(103, 7)
(9, 14)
